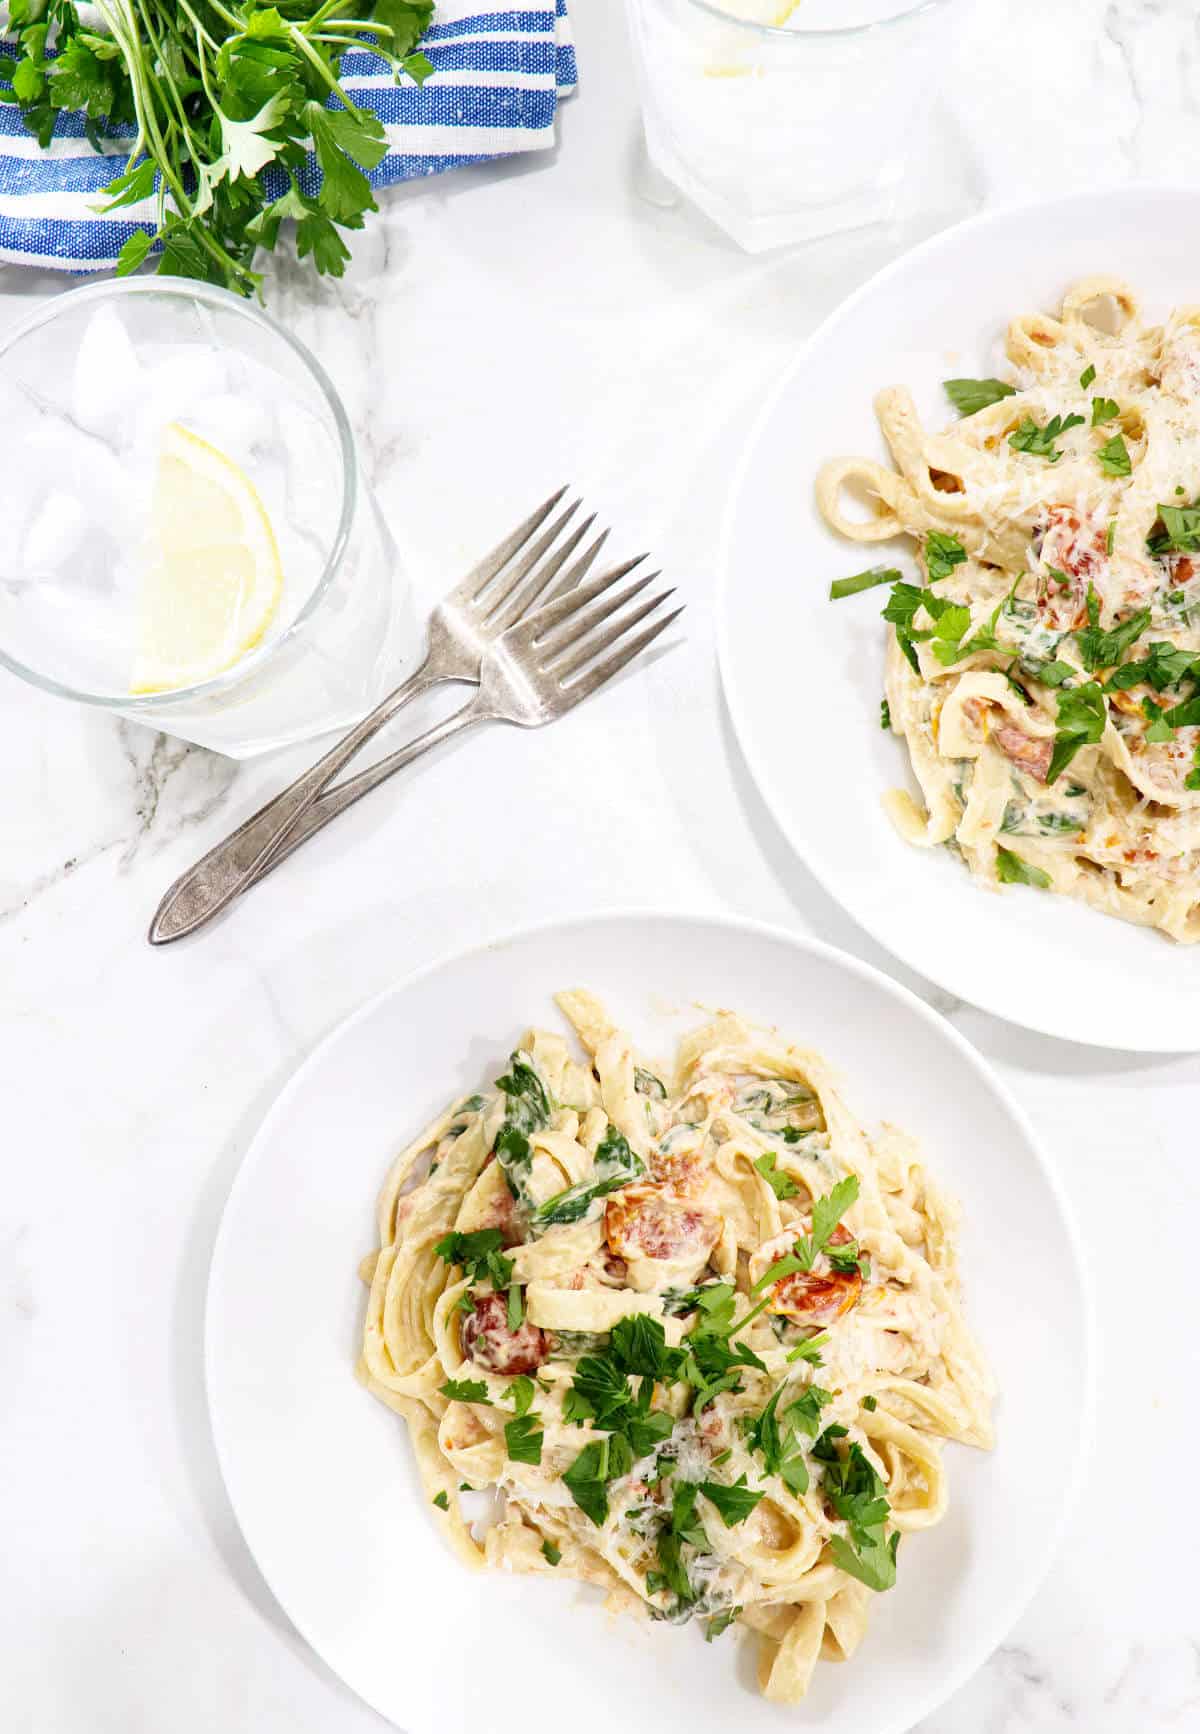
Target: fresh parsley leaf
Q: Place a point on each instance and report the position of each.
(1110, 535)
(441, 1500)
(1162, 666)
(639, 1346)
(942, 554)
(782, 1185)
(862, 581)
(1087, 376)
(1113, 457)
(734, 1503)
(523, 1439)
(872, 1562)
(516, 1307)
(1101, 649)
(1104, 409)
(1160, 729)
(1082, 715)
(810, 1349)
(774, 1438)
(971, 395)
(871, 1403)
(805, 1412)
(1039, 441)
(1185, 715)
(828, 1211)
(479, 1255)
(885, 714)
(1011, 870)
(586, 1479)
(465, 1391)
(1180, 531)
(551, 1553)
(520, 1394)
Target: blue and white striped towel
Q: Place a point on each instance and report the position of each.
(498, 76)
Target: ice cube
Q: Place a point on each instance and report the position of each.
(57, 532)
(106, 380)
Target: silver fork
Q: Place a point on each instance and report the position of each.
(495, 594)
(535, 671)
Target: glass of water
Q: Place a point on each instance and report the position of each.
(786, 121)
(190, 541)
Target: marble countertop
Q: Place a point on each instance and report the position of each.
(135, 1079)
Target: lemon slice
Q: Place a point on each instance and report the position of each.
(213, 579)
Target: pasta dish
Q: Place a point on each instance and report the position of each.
(1045, 671)
(701, 1332)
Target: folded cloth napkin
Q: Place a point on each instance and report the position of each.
(498, 76)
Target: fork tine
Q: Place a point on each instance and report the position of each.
(592, 647)
(578, 572)
(522, 599)
(552, 614)
(596, 677)
(492, 563)
(552, 645)
(508, 581)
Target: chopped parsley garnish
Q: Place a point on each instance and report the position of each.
(971, 395)
(734, 1503)
(615, 1165)
(885, 714)
(587, 1480)
(810, 1349)
(871, 1403)
(1011, 870)
(1162, 666)
(862, 581)
(1082, 714)
(1039, 441)
(1100, 649)
(516, 1307)
(1113, 457)
(479, 1255)
(1104, 409)
(782, 1185)
(1087, 376)
(942, 554)
(551, 1553)
(859, 1498)
(1180, 531)
(441, 1500)
(523, 1439)
(826, 1214)
(520, 1394)
(1109, 534)
(1160, 729)
(465, 1391)
(773, 1435)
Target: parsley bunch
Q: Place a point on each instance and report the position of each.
(228, 98)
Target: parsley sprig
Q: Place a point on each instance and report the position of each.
(228, 98)
(1039, 442)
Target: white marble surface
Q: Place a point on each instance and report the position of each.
(500, 330)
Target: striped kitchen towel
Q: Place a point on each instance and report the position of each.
(498, 76)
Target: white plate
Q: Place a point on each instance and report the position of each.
(321, 1476)
(804, 676)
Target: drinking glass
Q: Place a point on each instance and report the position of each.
(785, 122)
(89, 386)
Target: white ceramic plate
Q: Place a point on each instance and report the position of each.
(804, 676)
(321, 1476)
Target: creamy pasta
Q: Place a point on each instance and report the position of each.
(1045, 674)
(701, 1331)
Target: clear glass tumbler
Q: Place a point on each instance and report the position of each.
(93, 388)
(786, 121)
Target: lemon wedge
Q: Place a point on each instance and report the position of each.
(213, 580)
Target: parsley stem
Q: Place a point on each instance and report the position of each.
(306, 48)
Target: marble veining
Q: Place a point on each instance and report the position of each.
(498, 332)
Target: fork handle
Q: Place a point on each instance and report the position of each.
(335, 801)
(213, 881)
